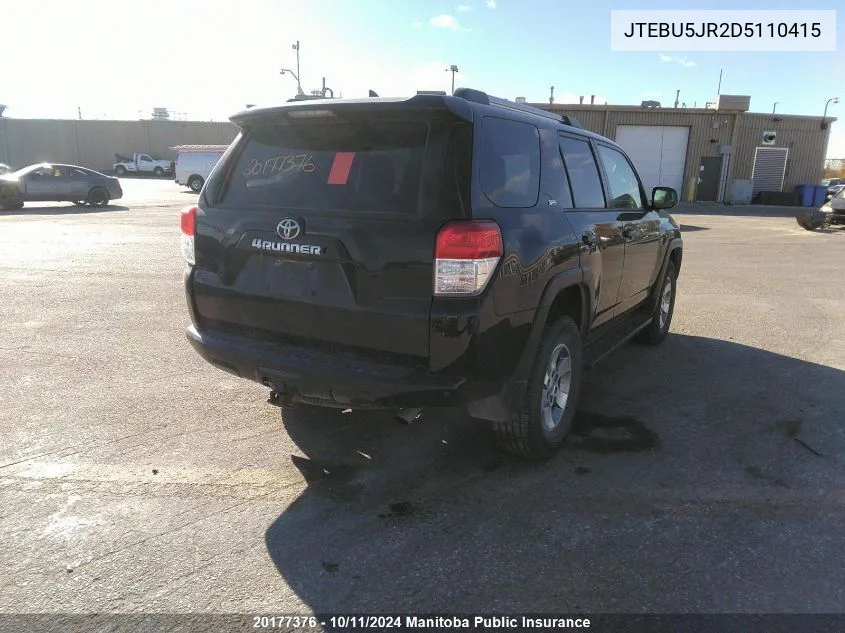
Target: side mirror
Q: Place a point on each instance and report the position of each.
(663, 198)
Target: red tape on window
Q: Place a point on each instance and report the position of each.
(341, 165)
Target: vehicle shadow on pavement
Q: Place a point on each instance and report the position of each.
(759, 211)
(145, 176)
(836, 230)
(670, 443)
(69, 210)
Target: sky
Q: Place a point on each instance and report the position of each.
(207, 59)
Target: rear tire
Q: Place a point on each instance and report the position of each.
(120, 170)
(661, 319)
(98, 197)
(810, 220)
(11, 206)
(79, 203)
(538, 429)
(196, 183)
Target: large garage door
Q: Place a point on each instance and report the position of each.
(659, 153)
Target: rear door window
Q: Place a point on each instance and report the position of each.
(583, 173)
(356, 165)
(510, 162)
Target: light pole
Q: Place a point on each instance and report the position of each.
(453, 69)
(775, 106)
(835, 100)
(295, 76)
(298, 85)
(824, 116)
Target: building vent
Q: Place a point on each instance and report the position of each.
(737, 103)
(520, 99)
(769, 168)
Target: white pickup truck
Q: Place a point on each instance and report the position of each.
(142, 164)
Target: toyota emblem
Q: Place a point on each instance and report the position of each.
(288, 229)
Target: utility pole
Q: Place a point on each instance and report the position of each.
(677, 97)
(719, 89)
(453, 69)
(79, 111)
(298, 84)
(551, 95)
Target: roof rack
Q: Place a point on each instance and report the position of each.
(479, 96)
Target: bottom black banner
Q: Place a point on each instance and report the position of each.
(608, 623)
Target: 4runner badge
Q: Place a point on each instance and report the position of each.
(286, 247)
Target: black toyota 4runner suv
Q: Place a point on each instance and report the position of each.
(428, 251)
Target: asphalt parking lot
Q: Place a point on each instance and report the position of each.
(705, 475)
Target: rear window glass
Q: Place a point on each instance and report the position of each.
(510, 162)
(366, 165)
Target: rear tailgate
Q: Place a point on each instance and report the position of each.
(319, 229)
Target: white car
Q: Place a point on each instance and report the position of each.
(195, 162)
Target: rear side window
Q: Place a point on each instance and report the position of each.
(360, 165)
(510, 162)
(583, 173)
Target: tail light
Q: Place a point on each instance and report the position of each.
(465, 256)
(189, 228)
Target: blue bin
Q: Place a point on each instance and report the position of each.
(805, 195)
(819, 195)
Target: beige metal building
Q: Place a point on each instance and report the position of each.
(701, 152)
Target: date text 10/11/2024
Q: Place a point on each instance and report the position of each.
(420, 622)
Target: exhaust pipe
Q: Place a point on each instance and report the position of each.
(280, 398)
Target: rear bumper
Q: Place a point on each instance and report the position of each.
(318, 377)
